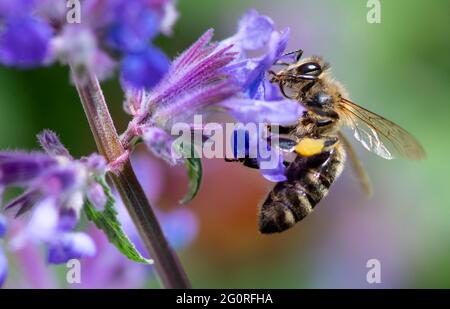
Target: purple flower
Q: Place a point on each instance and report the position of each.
(109, 268)
(145, 68)
(160, 143)
(16, 8)
(3, 259)
(257, 148)
(25, 42)
(3, 267)
(36, 33)
(3, 225)
(261, 101)
(71, 246)
(179, 235)
(210, 76)
(254, 31)
(133, 26)
(195, 81)
(96, 195)
(55, 188)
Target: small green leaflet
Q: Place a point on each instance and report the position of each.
(108, 222)
(194, 169)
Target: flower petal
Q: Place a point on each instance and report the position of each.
(24, 201)
(254, 30)
(134, 25)
(71, 246)
(144, 69)
(274, 173)
(25, 42)
(96, 195)
(160, 143)
(184, 107)
(284, 112)
(43, 224)
(256, 76)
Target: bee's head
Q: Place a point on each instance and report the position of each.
(300, 73)
(303, 70)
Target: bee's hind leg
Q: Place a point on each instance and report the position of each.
(308, 147)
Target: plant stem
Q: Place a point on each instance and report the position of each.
(167, 264)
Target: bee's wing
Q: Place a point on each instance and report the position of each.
(357, 166)
(379, 135)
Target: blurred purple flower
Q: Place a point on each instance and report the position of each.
(71, 246)
(3, 259)
(3, 267)
(25, 42)
(145, 68)
(109, 268)
(55, 187)
(36, 33)
(3, 225)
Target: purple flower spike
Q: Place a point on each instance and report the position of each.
(71, 246)
(3, 267)
(56, 186)
(198, 68)
(25, 43)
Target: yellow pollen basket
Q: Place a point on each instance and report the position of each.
(308, 147)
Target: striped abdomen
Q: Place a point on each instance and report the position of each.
(308, 181)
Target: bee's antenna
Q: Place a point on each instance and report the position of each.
(299, 53)
(274, 76)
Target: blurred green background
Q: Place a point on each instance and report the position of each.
(399, 69)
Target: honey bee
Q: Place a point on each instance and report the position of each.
(320, 146)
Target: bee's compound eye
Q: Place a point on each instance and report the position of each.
(309, 69)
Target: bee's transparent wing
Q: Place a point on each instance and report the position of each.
(357, 166)
(379, 135)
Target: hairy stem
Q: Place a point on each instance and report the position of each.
(167, 264)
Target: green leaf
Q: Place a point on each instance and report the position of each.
(194, 169)
(108, 222)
